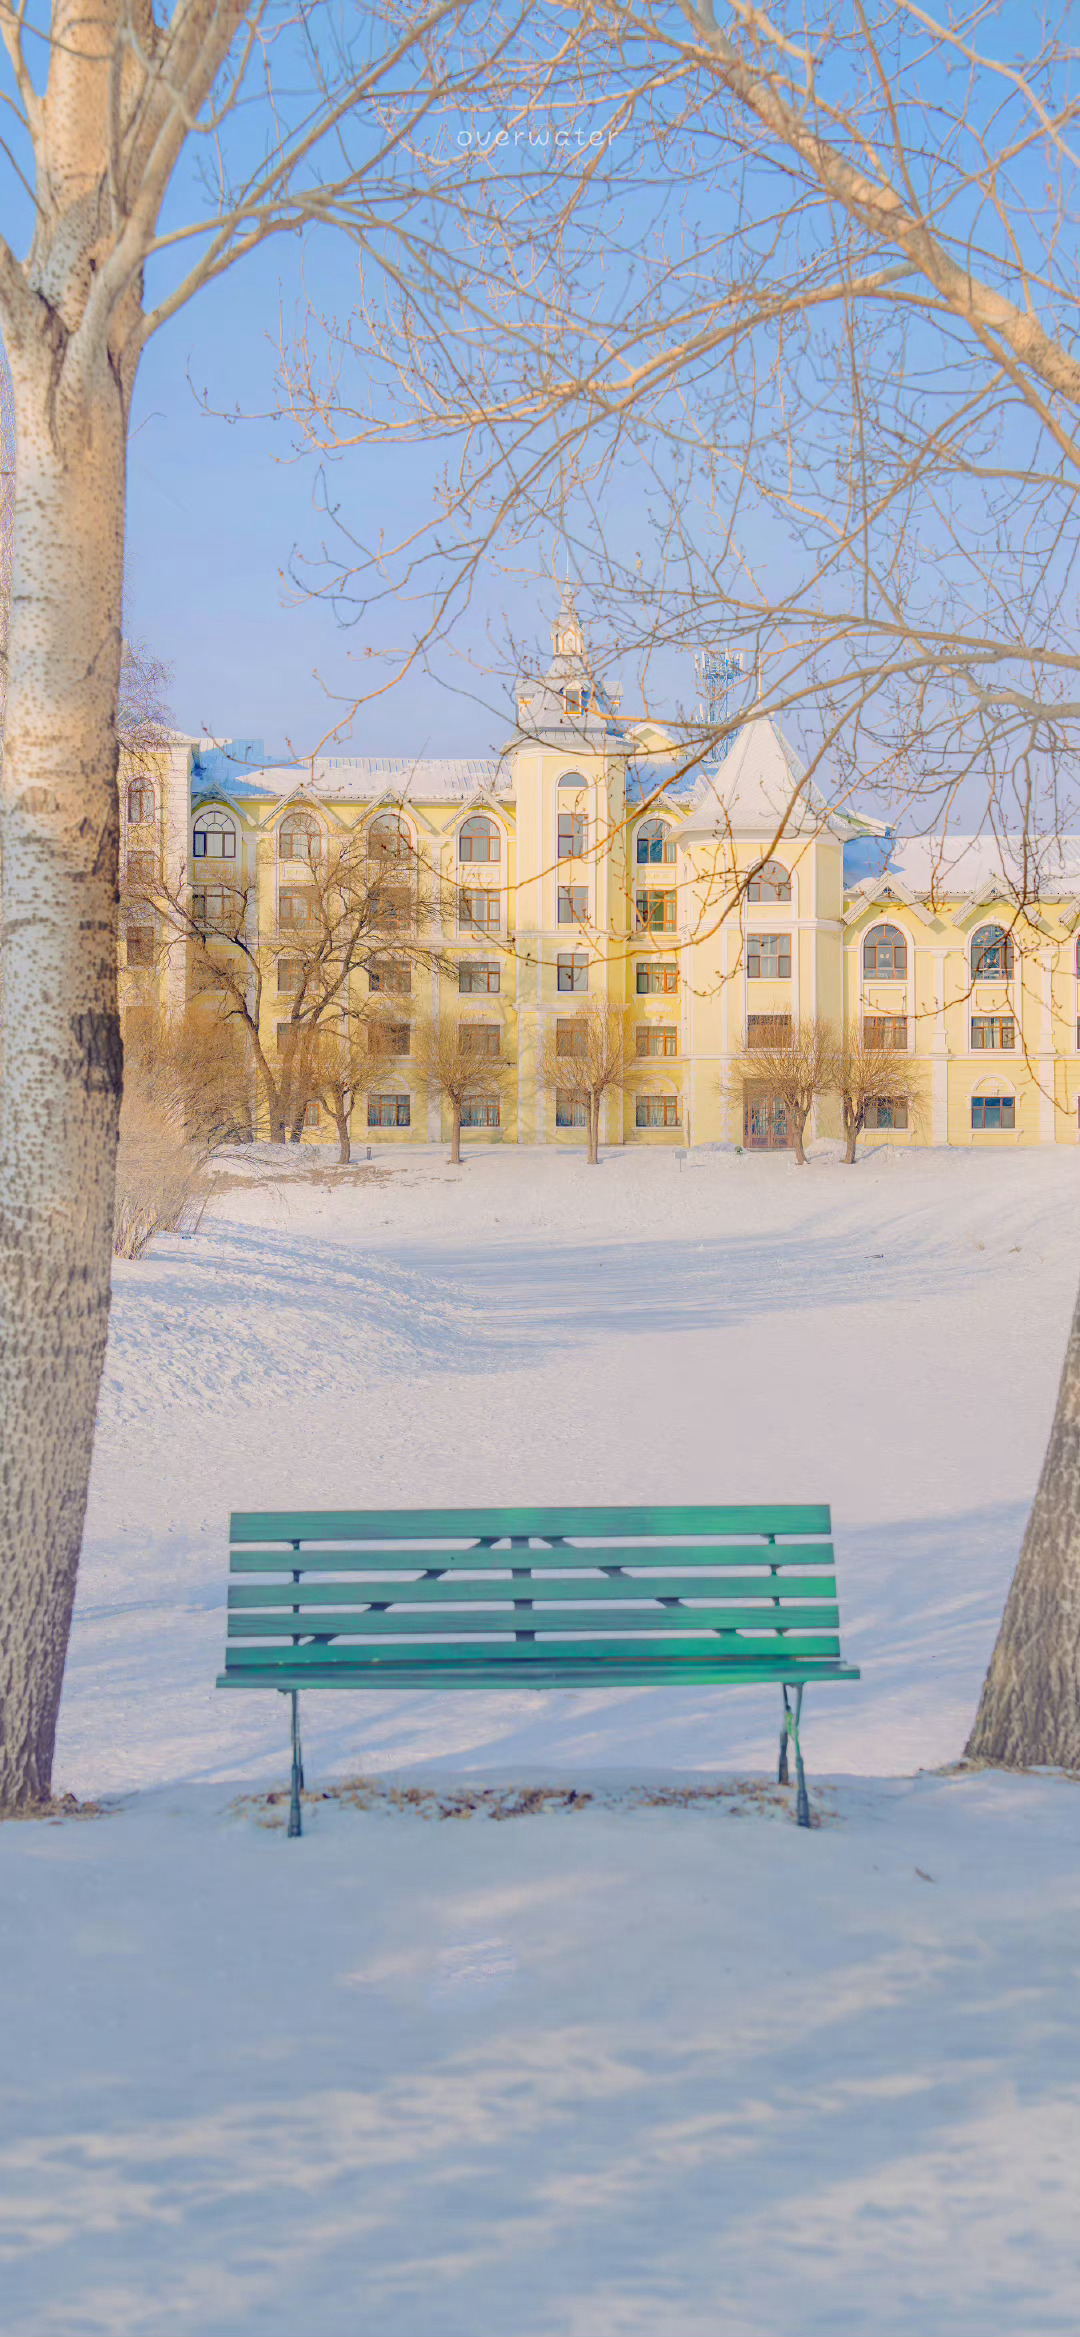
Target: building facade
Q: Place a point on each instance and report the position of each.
(707, 908)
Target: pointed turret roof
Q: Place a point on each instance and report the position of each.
(762, 789)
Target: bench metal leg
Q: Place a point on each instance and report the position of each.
(782, 1769)
(802, 1806)
(295, 1825)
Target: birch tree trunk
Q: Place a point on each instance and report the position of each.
(62, 1063)
(1029, 1710)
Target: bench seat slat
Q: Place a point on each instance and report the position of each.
(657, 1671)
(395, 1525)
(449, 1596)
(460, 1625)
(439, 1656)
(565, 1558)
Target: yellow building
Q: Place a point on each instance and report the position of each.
(579, 864)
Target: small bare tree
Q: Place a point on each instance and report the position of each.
(587, 1055)
(457, 1062)
(184, 1096)
(872, 1072)
(340, 1066)
(353, 916)
(791, 1067)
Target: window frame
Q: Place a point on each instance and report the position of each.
(756, 944)
(888, 1046)
(772, 873)
(644, 904)
(214, 823)
(481, 1112)
(647, 1032)
(468, 918)
(651, 987)
(1002, 944)
(572, 907)
(378, 1098)
(1004, 1104)
(655, 832)
(870, 941)
(479, 823)
(571, 1110)
(573, 963)
(896, 1104)
(996, 1023)
(663, 1111)
(300, 822)
(138, 790)
(485, 989)
(468, 1032)
(576, 823)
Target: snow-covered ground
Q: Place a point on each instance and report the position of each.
(616, 2071)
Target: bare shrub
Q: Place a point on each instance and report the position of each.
(161, 1178)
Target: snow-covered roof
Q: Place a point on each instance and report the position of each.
(975, 868)
(762, 789)
(367, 778)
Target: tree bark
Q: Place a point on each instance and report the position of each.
(1029, 1710)
(851, 1134)
(62, 1071)
(344, 1139)
(594, 1130)
(455, 1139)
(798, 1124)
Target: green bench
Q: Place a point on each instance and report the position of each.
(534, 1598)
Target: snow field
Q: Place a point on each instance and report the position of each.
(617, 2071)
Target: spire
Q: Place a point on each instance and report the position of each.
(567, 638)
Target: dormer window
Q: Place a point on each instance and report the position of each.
(214, 837)
(577, 699)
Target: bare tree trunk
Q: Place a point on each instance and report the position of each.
(60, 1094)
(798, 1125)
(455, 1140)
(1029, 1710)
(851, 1133)
(594, 1131)
(344, 1139)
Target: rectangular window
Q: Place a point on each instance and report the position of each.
(885, 1111)
(572, 973)
(481, 910)
(993, 1111)
(569, 1038)
(311, 1115)
(573, 904)
(571, 835)
(657, 980)
(205, 975)
(480, 1115)
(768, 957)
(388, 1111)
(216, 909)
(287, 1035)
(656, 912)
(391, 907)
(768, 1030)
(391, 1038)
(296, 906)
(571, 1111)
(290, 974)
(657, 1111)
(657, 1038)
(993, 1030)
(484, 977)
(886, 1030)
(482, 1039)
(141, 867)
(140, 942)
(389, 975)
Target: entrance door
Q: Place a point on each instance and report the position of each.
(764, 1123)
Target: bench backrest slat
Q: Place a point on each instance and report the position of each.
(413, 1525)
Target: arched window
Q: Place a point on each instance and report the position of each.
(479, 839)
(770, 882)
(214, 837)
(388, 838)
(991, 954)
(655, 843)
(140, 802)
(884, 954)
(299, 837)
